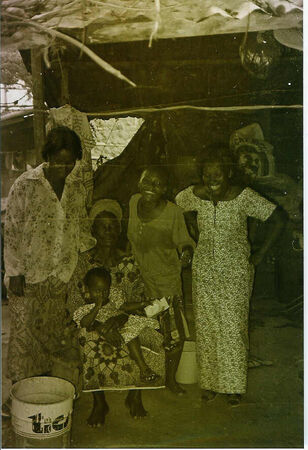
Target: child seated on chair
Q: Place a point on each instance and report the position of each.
(106, 313)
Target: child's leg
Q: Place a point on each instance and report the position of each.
(99, 410)
(172, 329)
(136, 354)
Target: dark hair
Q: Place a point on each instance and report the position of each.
(60, 138)
(159, 170)
(97, 272)
(217, 153)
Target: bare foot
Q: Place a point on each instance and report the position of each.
(234, 399)
(208, 396)
(175, 388)
(98, 413)
(147, 375)
(134, 403)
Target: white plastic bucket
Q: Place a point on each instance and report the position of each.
(42, 407)
(187, 372)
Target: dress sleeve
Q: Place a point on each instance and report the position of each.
(184, 199)
(116, 297)
(87, 241)
(127, 282)
(13, 230)
(180, 235)
(134, 285)
(81, 312)
(257, 206)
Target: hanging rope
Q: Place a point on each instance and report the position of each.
(168, 108)
(156, 23)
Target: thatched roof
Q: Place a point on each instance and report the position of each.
(92, 24)
(25, 23)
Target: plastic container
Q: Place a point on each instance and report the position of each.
(187, 372)
(42, 412)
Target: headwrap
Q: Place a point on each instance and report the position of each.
(108, 205)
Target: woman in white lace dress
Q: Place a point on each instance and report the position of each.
(223, 271)
(45, 230)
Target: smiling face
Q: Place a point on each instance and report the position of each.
(106, 229)
(61, 163)
(215, 178)
(152, 185)
(249, 163)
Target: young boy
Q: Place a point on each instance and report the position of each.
(110, 317)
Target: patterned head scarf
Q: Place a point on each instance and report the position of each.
(107, 205)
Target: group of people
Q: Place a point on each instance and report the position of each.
(67, 265)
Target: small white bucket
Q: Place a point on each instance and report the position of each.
(42, 407)
(187, 372)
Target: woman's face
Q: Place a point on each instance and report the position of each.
(106, 229)
(249, 163)
(62, 163)
(152, 186)
(214, 178)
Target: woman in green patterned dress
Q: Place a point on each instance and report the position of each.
(109, 367)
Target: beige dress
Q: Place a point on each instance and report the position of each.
(222, 285)
(156, 245)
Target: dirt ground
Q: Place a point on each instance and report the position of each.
(270, 415)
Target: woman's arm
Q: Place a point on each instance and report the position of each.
(134, 306)
(181, 238)
(276, 223)
(109, 329)
(191, 224)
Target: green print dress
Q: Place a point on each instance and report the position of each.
(106, 367)
(222, 286)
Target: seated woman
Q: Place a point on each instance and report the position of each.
(113, 368)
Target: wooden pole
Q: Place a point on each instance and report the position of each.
(65, 95)
(38, 103)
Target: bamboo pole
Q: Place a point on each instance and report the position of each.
(38, 103)
(153, 109)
